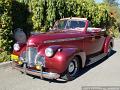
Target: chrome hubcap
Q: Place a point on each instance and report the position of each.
(72, 68)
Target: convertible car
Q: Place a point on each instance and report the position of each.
(63, 51)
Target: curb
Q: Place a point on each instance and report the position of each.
(5, 64)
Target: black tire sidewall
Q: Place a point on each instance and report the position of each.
(67, 75)
(109, 52)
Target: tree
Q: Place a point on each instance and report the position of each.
(51, 9)
(5, 29)
(114, 13)
(37, 10)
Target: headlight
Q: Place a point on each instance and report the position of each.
(49, 52)
(16, 47)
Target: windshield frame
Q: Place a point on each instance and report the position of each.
(68, 21)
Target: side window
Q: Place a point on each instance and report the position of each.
(81, 24)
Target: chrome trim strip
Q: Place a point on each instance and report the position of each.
(62, 40)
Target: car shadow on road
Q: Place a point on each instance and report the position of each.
(87, 68)
(83, 71)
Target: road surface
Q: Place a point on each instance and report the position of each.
(103, 73)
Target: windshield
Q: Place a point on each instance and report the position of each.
(69, 24)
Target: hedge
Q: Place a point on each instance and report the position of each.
(5, 29)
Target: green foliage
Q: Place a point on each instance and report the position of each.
(5, 25)
(5, 28)
(23, 1)
(37, 7)
(4, 56)
(51, 9)
(114, 14)
(5, 32)
(45, 12)
(61, 9)
(20, 16)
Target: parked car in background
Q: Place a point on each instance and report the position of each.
(63, 51)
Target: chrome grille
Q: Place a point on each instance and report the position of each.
(23, 56)
(40, 60)
(31, 52)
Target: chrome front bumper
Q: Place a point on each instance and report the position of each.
(48, 75)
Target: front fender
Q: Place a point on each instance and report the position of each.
(61, 59)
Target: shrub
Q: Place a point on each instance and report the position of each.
(38, 8)
(5, 28)
(20, 15)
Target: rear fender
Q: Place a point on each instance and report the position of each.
(108, 40)
(82, 55)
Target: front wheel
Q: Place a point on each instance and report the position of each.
(72, 70)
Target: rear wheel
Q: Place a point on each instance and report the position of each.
(72, 70)
(110, 48)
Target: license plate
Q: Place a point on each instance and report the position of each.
(14, 57)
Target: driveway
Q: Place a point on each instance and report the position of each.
(103, 73)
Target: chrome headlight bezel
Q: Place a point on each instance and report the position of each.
(49, 52)
(16, 47)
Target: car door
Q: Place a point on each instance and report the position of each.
(93, 42)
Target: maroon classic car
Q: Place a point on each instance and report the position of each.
(63, 51)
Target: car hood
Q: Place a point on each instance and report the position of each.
(53, 35)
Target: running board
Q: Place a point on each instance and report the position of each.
(96, 58)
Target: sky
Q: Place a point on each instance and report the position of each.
(99, 1)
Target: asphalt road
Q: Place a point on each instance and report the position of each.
(103, 73)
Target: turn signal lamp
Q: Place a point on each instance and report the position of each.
(38, 67)
(20, 62)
